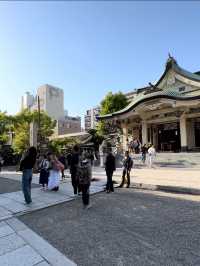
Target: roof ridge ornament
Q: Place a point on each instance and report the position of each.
(170, 61)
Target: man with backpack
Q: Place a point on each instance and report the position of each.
(127, 165)
(84, 179)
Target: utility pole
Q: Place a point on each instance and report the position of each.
(39, 124)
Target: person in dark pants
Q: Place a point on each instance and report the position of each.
(128, 164)
(144, 152)
(73, 168)
(110, 168)
(26, 166)
(84, 174)
(62, 159)
(69, 157)
(44, 172)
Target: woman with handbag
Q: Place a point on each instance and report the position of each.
(55, 172)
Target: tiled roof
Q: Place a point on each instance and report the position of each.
(167, 94)
(170, 94)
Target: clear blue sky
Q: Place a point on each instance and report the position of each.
(90, 48)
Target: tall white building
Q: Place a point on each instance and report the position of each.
(51, 101)
(27, 101)
(90, 118)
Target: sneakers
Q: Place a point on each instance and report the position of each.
(86, 207)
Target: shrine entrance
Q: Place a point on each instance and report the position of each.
(168, 137)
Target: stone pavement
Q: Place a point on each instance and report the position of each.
(20, 246)
(178, 180)
(13, 203)
(126, 228)
(24, 250)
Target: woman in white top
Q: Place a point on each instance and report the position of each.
(152, 154)
(55, 172)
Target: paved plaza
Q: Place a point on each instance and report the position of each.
(124, 228)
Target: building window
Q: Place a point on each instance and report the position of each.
(181, 89)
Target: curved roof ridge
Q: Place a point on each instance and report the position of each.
(186, 73)
(172, 64)
(167, 94)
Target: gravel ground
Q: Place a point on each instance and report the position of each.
(8, 185)
(125, 228)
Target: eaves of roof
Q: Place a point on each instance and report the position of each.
(167, 94)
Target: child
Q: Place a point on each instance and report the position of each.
(84, 176)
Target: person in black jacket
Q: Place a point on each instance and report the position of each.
(26, 166)
(74, 167)
(128, 164)
(110, 168)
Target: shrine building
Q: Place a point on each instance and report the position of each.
(166, 114)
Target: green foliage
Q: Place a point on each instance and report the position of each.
(110, 104)
(20, 125)
(5, 127)
(22, 128)
(57, 145)
(21, 139)
(97, 139)
(113, 103)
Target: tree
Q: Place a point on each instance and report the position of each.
(113, 103)
(22, 128)
(56, 145)
(110, 104)
(96, 138)
(5, 127)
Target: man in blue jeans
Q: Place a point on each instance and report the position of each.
(26, 166)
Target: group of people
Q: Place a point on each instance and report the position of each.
(51, 169)
(110, 168)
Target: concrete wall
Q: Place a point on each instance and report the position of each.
(52, 101)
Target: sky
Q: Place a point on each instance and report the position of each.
(91, 48)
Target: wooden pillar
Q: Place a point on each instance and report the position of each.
(144, 132)
(183, 133)
(125, 137)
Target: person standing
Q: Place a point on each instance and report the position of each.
(1, 162)
(44, 172)
(26, 166)
(73, 168)
(91, 157)
(144, 152)
(84, 173)
(152, 154)
(62, 159)
(110, 167)
(69, 157)
(55, 171)
(127, 166)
